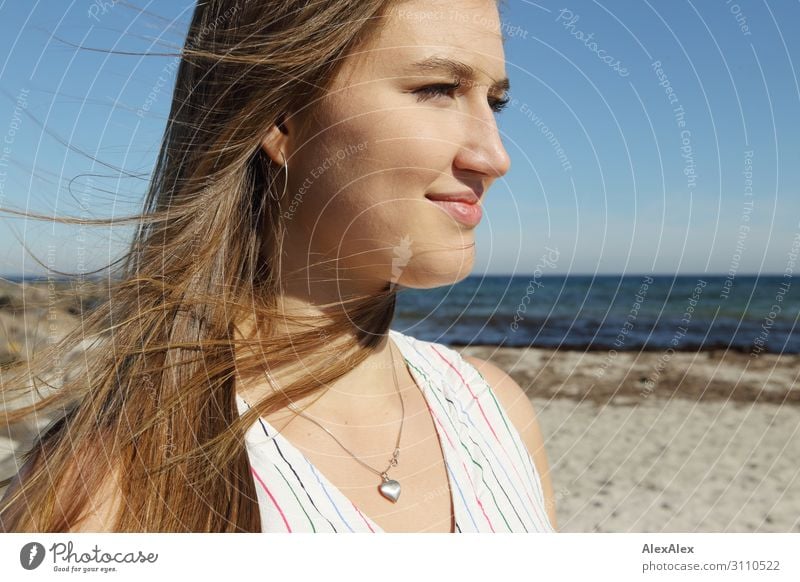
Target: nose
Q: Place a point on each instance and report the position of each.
(482, 151)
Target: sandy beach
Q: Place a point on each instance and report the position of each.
(713, 447)
(637, 441)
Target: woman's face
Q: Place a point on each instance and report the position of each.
(365, 161)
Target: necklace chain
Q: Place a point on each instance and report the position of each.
(395, 454)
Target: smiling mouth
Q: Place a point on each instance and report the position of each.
(466, 213)
(467, 197)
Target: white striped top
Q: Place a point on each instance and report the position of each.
(494, 483)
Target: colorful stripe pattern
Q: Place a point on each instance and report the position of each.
(494, 483)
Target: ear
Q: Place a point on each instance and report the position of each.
(276, 142)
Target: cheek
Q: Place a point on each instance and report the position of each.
(414, 147)
(363, 182)
(370, 180)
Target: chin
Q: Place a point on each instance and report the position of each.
(431, 273)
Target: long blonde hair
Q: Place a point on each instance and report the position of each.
(155, 395)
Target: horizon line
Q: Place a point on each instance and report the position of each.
(476, 275)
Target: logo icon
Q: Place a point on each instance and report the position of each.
(31, 555)
(402, 256)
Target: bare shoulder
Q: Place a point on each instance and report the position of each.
(94, 470)
(103, 505)
(102, 508)
(520, 410)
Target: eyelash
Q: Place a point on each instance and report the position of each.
(441, 89)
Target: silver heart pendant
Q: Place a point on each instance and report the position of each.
(390, 489)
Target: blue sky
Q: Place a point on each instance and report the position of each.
(630, 131)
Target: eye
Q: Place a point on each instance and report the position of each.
(438, 90)
(499, 104)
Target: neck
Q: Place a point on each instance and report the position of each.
(366, 391)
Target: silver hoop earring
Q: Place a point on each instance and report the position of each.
(285, 182)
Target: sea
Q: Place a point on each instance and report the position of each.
(745, 313)
(756, 314)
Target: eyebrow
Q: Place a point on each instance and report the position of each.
(458, 69)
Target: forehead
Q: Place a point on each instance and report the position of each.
(454, 20)
(422, 37)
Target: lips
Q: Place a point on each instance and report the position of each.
(468, 197)
(461, 206)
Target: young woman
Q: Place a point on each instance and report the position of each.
(318, 158)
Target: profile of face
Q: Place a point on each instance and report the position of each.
(409, 118)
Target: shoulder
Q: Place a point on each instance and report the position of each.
(512, 398)
(504, 386)
(101, 508)
(520, 411)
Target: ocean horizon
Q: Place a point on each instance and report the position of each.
(633, 312)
